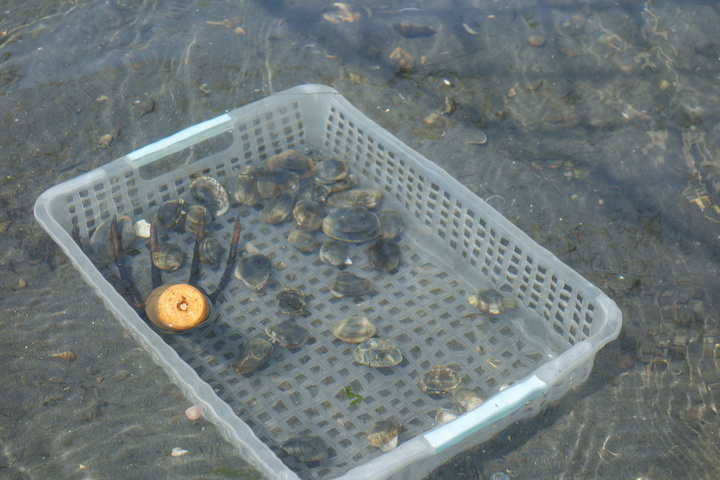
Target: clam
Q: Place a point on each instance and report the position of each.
(307, 448)
(384, 434)
(252, 172)
(308, 215)
(342, 12)
(330, 171)
(377, 352)
(347, 284)
(168, 257)
(351, 181)
(413, 30)
(245, 190)
(351, 224)
(315, 191)
(277, 181)
(444, 416)
(466, 399)
(499, 476)
(291, 301)
(403, 60)
(384, 254)
(194, 215)
(254, 270)
(211, 194)
(171, 214)
(211, 251)
(471, 22)
(287, 333)
(391, 223)
(335, 253)
(278, 209)
(440, 380)
(303, 241)
(354, 329)
(254, 355)
(193, 412)
(356, 197)
(491, 301)
(101, 239)
(293, 161)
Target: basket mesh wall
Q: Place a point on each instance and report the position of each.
(423, 307)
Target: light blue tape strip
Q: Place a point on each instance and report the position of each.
(495, 408)
(182, 139)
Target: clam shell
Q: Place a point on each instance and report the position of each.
(293, 161)
(169, 257)
(413, 30)
(171, 214)
(193, 217)
(291, 301)
(245, 190)
(308, 215)
(278, 209)
(211, 251)
(347, 284)
(351, 181)
(254, 355)
(356, 197)
(303, 241)
(287, 333)
(444, 416)
(391, 223)
(440, 380)
(384, 434)
(351, 224)
(330, 171)
(315, 191)
(342, 12)
(491, 301)
(193, 412)
(466, 400)
(403, 60)
(307, 448)
(101, 239)
(354, 329)
(254, 270)
(211, 194)
(377, 352)
(384, 254)
(252, 171)
(276, 182)
(335, 253)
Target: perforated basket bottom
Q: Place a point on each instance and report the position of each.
(422, 308)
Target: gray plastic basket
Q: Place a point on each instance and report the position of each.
(454, 245)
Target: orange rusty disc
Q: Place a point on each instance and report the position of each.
(177, 307)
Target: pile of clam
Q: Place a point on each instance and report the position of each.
(323, 196)
(331, 212)
(318, 196)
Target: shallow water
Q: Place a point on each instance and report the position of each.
(603, 146)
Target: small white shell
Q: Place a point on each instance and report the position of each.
(142, 228)
(193, 413)
(444, 416)
(177, 452)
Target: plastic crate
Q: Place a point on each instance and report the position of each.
(454, 245)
